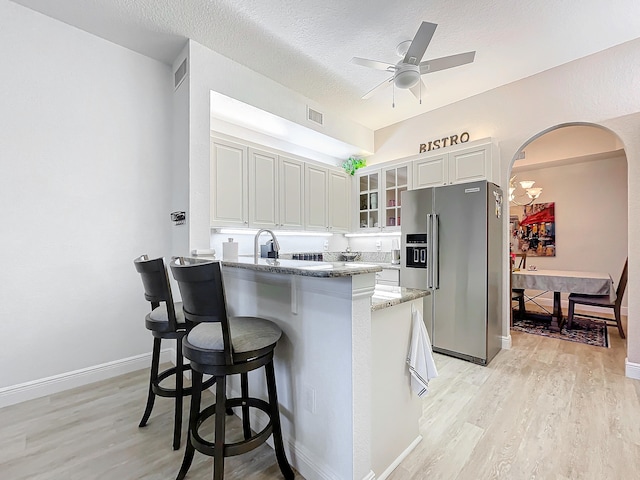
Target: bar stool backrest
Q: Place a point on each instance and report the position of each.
(157, 289)
(202, 291)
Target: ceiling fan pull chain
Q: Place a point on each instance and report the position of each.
(420, 92)
(393, 95)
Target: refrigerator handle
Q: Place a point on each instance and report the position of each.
(435, 252)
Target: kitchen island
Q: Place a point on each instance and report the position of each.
(347, 409)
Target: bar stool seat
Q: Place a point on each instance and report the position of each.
(248, 334)
(158, 319)
(220, 345)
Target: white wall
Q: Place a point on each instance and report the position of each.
(85, 154)
(210, 71)
(591, 215)
(600, 89)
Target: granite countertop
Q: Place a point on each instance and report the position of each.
(304, 267)
(386, 296)
(385, 265)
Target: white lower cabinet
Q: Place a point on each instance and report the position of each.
(389, 277)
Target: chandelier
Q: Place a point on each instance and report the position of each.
(527, 197)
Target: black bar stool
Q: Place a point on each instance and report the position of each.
(165, 321)
(220, 346)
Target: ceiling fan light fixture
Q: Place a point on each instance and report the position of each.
(407, 76)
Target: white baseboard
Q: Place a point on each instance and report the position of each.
(400, 458)
(632, 370)
(506, 342)
(57, 383)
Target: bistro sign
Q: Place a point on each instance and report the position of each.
(444, 142)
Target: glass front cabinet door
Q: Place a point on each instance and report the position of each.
(396, 181)
(368, 198)
(379, 197)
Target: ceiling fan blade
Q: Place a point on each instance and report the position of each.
(373, 64)
(416, 89)
(437, 64)
(420, 43)
(377, 88)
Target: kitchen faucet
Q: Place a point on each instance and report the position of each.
(276, 245)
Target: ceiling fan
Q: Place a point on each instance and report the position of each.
(407, 72)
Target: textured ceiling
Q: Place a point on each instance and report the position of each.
(306, 45)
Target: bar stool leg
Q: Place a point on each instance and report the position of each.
(278, 443)
(196, 393)
(246, 426)
(218, 447)
(153, 377)
(177, 423)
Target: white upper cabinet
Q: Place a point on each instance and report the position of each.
(431, 172)
(327, 199)
(263, 189)
(464, 164)
(470, 165)
(291, 190)
(256, 188)
(339, 206)
(315, 197)
(228, 196)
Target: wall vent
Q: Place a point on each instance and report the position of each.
(180, 74)
(315, 116)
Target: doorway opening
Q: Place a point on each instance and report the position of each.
(578, 221)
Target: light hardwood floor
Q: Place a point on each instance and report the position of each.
(546, 409)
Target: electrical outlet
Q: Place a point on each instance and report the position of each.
(326, 245)
(378, 245)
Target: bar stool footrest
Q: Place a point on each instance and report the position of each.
(238, 448)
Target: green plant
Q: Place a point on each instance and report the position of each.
(352, 164)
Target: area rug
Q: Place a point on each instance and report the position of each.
(582, 331)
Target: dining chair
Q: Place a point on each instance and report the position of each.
(517, 294)
(222, 345)
(601, 301)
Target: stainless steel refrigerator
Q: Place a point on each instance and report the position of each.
(452, 246)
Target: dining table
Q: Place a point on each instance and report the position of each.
(568, 281)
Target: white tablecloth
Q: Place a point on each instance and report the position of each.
(585, 283)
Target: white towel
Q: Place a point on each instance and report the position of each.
(420, 359)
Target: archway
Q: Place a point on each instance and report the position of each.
(582, 169)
